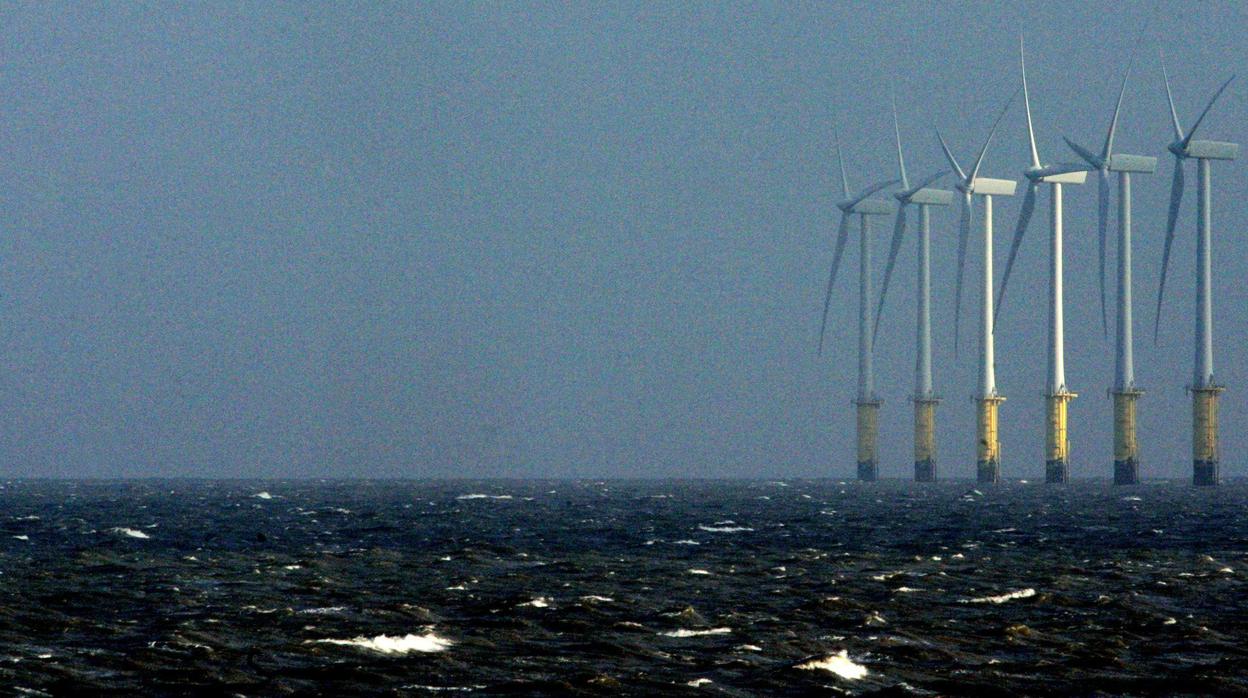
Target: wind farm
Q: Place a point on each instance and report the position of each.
(1058, 395)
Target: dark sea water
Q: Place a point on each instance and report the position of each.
(696, 588)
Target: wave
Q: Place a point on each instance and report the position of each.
(478, 495)
(1002, 598)
(129, 532)
(696, 633)
(393, 644)
(839, 664)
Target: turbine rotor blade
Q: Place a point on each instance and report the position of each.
(923, 183)
(1172, 217)
(1102, 220)
(871, 190)
(842, 234)
(901, 160)
(1113, 124)
(1031, 133)
(1087, 155)
(964, 234)
(1208, 106)
(1024, 218)
(979, 160)
(953, 162)
(899, 232)
(1174, 115)
(841, 160)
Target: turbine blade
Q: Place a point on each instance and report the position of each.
(1024, 218)
(953, 163)
(1102, 221)
(1174, 115)
(964, 234)
(979, 160)
(871, 190)
(1031, 133)
(1172, 217)
(899, 232)
(1088, 156)
(1206, 111)
(842, 234)
(1113, 124)
(923, 183)
(901, 160)
(841, 160)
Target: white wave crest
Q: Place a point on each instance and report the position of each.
(723, 529)
(696, 633)
(1002, 598)
(262, 495)
(477, 495)
(839, 664)
(129, 532)
(393, 644)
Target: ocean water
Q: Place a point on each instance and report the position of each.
(695, 588)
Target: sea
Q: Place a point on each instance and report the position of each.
(622, 588)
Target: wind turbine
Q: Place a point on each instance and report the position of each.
(925, 400)
(867, 402)
(1057, 444)
(988, 449)
(1204, 390)
(1125, 392)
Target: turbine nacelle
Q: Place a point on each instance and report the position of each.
(930, 197)
(1209, 150)
(1131, 163)
(870, 207)
(1065, 173)
(988, 186)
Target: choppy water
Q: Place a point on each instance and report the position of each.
(622, 588)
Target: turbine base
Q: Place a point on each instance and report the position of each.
(1205, 435)
(1056, 472)
(925, 471)
(988, 450)
(1126, 448)
(1056, 441)
(868, 420)
(988, 472)
(1127, 472)
(1205, 474)
(925, 439)
(868, 471)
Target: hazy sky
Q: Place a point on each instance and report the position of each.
(562, 240)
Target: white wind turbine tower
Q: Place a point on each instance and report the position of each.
(925, 400)
(1125, 392)
(987, 435)
(1057, 444)
(867, 402)
(1203, 388)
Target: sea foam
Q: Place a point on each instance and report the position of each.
(394, 644)
(839, 664)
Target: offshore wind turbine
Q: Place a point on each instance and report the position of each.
(1125, 392)
(1057, 443)
(1204, 389)
(988, 400)
(925, 400)
(867, 402)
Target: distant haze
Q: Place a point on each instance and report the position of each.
(565, 240)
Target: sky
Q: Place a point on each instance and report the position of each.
(566, 240)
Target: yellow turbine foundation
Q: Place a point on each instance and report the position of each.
(1205, 435)
(868, 427)
(925, 439)
(1057, 441)
(988, 461)
(1126, 448)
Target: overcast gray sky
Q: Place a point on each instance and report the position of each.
(560, 240)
